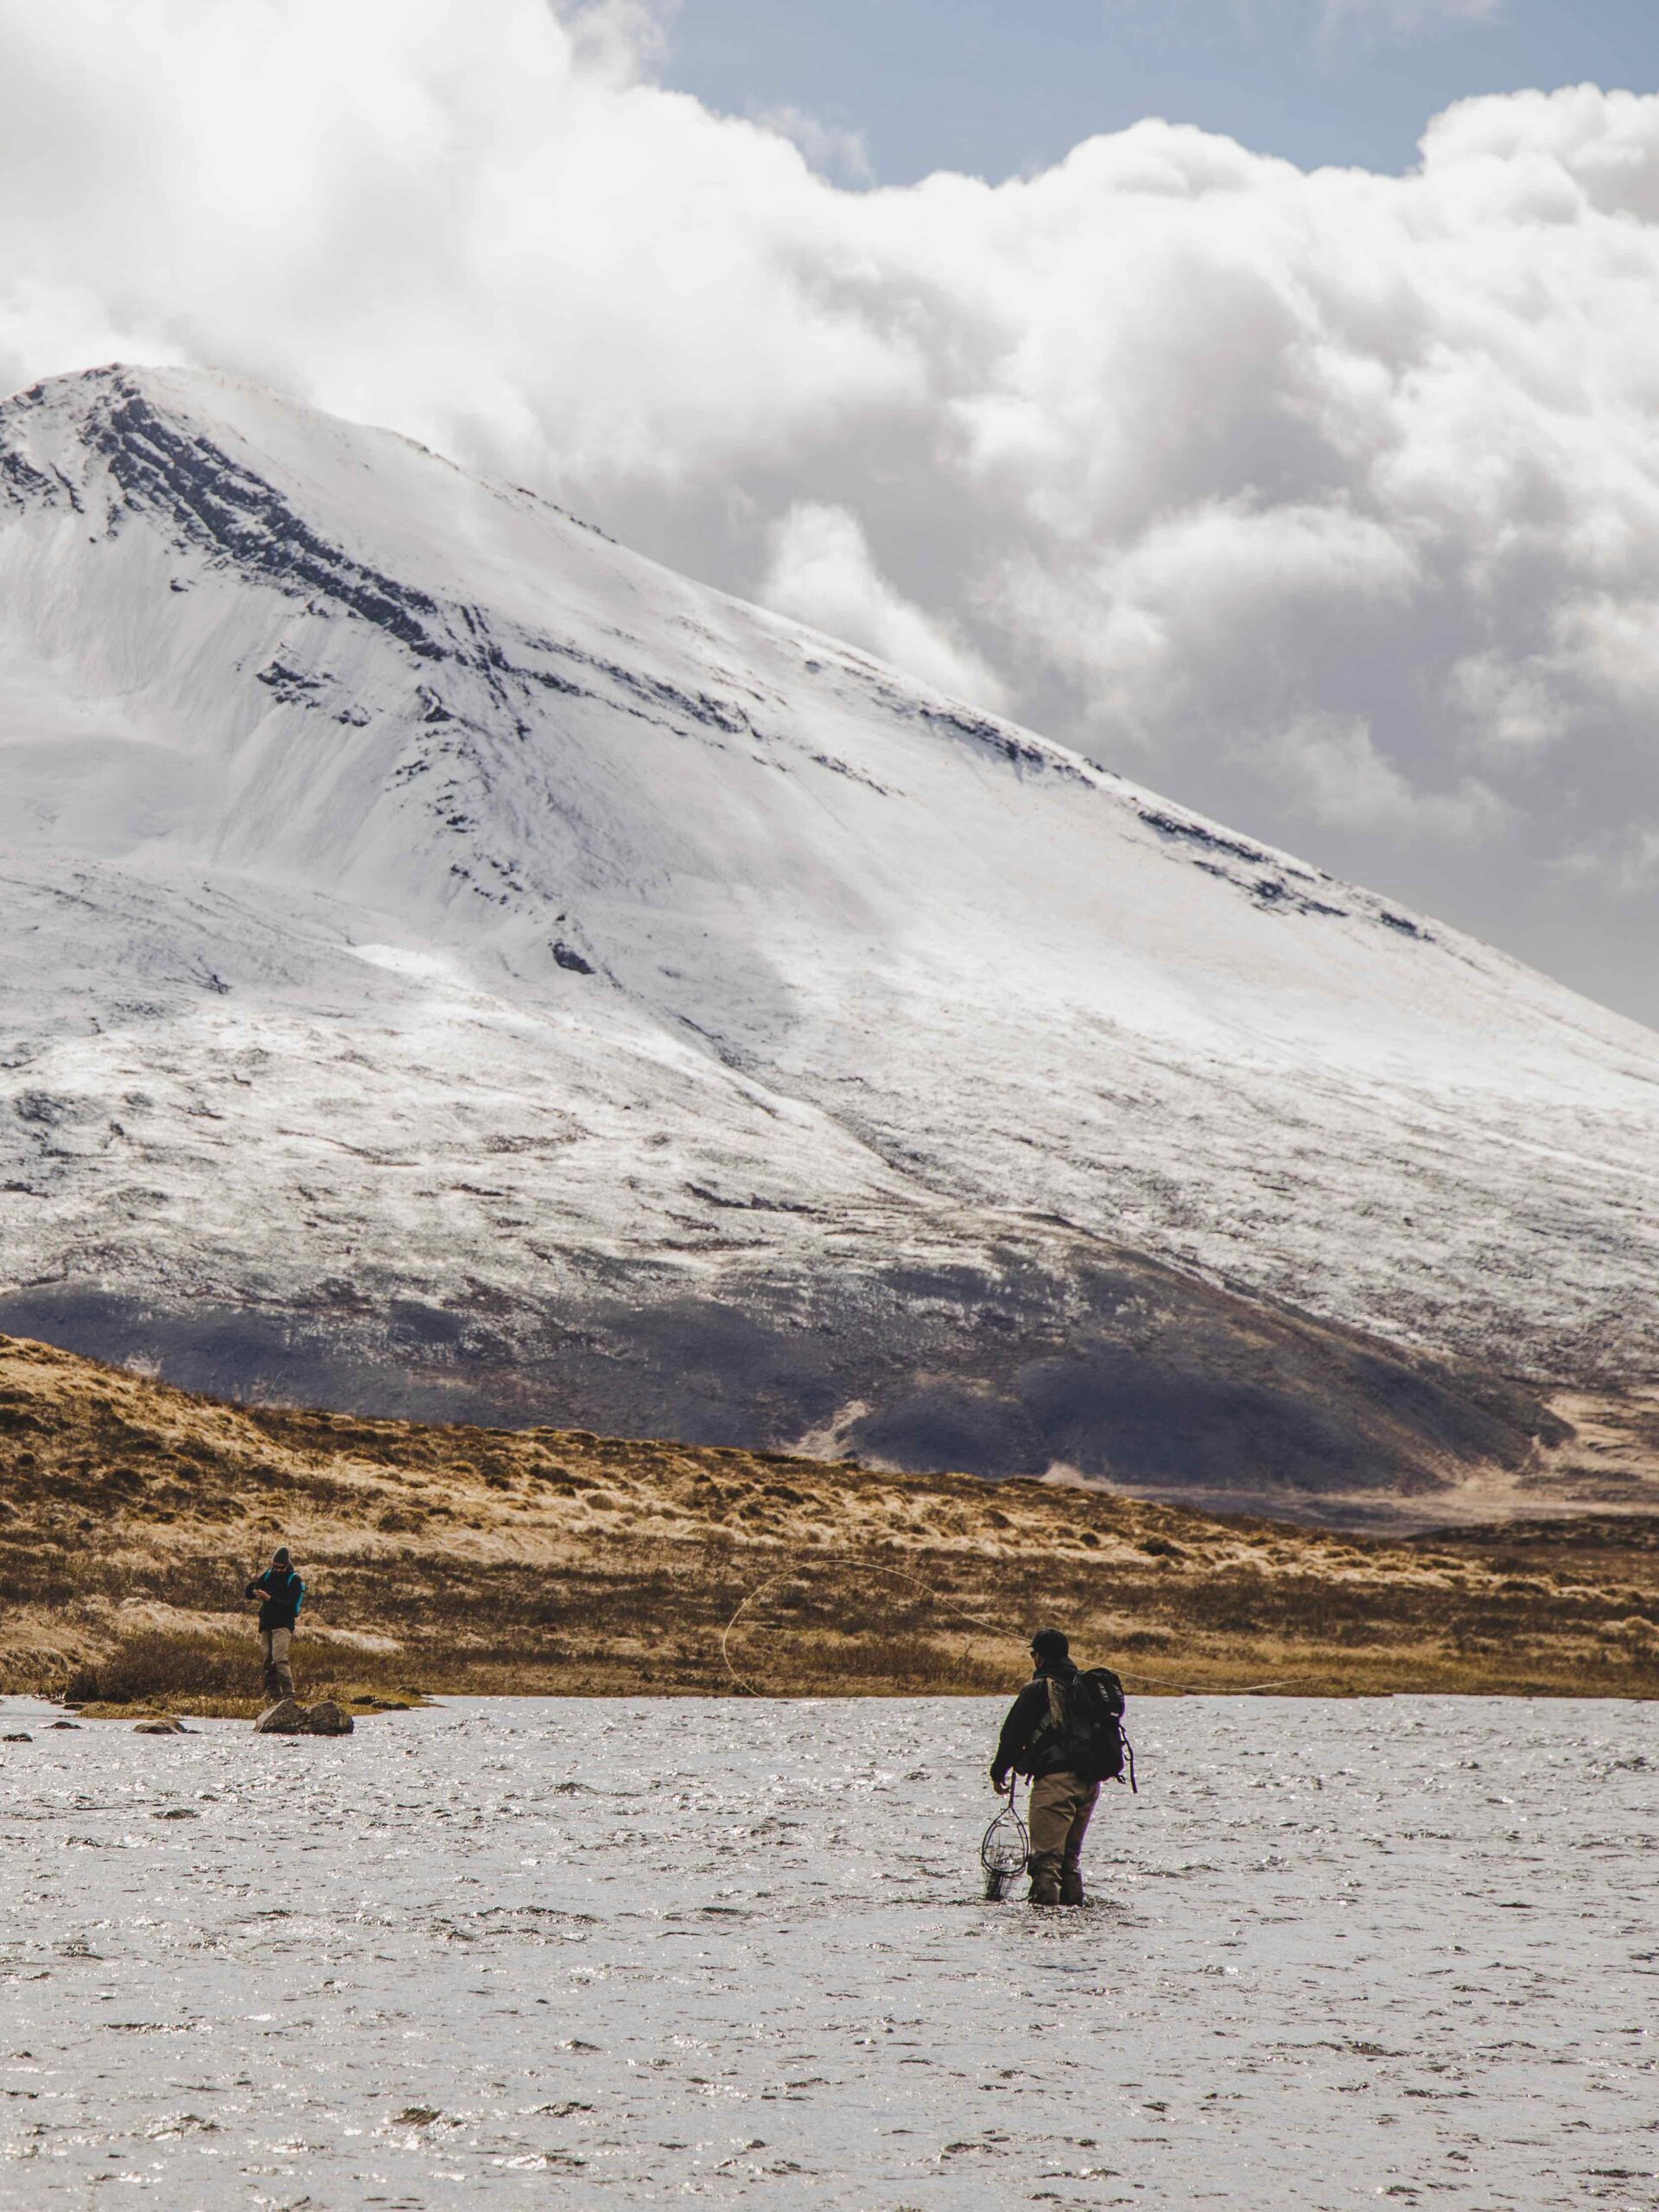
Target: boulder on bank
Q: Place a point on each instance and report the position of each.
(290, 1718)
(285, 1718)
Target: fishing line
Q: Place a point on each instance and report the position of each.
(974, 1620)
(1200, 1689)
(865, 1566)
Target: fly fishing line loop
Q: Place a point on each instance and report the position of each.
(974, 1620)
(865, 1566)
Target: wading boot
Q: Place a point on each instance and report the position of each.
(1045, 1878)
(1071, 1882)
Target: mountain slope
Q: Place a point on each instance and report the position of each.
(458, 966)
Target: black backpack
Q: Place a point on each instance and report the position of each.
(1095, 1740)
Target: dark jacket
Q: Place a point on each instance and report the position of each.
(283, 1594)
(1030, 1742)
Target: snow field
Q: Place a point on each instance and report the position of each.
(649, 1952)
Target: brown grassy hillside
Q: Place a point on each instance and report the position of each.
(457, 1559)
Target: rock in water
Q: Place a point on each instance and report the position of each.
(19, 1736)
(291, 1718)
(286, 1718)
(161, 1724)
(329, 1720)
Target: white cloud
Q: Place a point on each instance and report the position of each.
(1401, 19)
(1512, 704)
(1620, 863)
(1330, 502)
(844, 155)
(821, 573)
(618, 39)
(1330, 770)
(1161, 632)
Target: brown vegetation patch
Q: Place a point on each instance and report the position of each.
(454, 1559)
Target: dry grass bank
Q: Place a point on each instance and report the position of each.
(469, 1560)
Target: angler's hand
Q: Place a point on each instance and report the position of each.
(999, 1780)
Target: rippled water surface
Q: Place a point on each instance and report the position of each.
(547, 1951)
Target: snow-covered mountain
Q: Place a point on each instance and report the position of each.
(454, 965)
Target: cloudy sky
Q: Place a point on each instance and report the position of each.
(1261, 395)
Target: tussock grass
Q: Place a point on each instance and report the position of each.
(155, 1664)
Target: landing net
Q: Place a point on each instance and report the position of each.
(1004, 1850)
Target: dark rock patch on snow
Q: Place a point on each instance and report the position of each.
(1122, 1369)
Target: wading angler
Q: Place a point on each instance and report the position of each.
(1065, 1731)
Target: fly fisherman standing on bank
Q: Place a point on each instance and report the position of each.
(1036, 1740)
(282, 1593)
